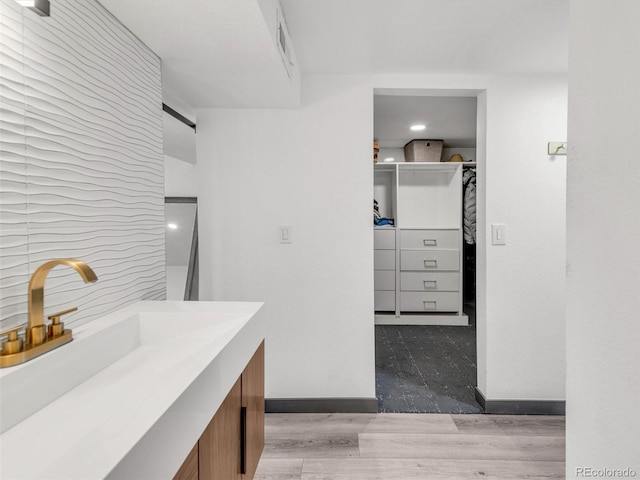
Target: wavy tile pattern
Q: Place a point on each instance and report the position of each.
(81, 161)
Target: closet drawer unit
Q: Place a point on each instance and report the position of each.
(430, 281)
(429, 239)
(418, 260)
(384, 280)
(384, 301)
(429, 301)
(384, 259)
(384, 239)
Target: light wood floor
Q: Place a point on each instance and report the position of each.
(390, 446)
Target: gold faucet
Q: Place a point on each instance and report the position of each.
(40, 338)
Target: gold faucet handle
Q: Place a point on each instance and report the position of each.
(56, 327)
(14, 342)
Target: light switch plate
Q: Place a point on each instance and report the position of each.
(285, 234)
(498, 234)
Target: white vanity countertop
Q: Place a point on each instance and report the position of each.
(140, 415)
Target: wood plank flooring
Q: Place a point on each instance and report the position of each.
(390, 446)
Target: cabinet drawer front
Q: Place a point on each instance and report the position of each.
(384, 259)
(429, 301)
(430, 281)
(384, 279)
(429, 239)
(430, 260)
(384, 239)
(384, 300)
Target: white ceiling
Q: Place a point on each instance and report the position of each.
(215, 53)
(219, 53)
(429, 36)
(452, 119)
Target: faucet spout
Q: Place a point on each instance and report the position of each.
(36, 332)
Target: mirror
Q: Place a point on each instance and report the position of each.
(181, 233)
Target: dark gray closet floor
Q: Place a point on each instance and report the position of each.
(426, 369)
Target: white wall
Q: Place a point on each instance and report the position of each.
(180, 178)
(81, 166)
(179, 139)
(603, 227)
(260, 169)
(525, 279)
(311, 168)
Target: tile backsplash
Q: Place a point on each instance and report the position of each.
(81, 161)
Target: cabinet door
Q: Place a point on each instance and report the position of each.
(384, 259)
(189, 469)
(430, 281)
(429, 238)
(429, 301)
(418, 260)
(384, 280)
(253, 404)
(384, 239)
(219, 445)
(384, 300)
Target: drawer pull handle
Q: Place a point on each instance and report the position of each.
(429, 304)
(430, 284)
(430, 242)
(243, 440)
(430, 264)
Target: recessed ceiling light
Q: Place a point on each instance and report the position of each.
(389, 159)
(417, 128)
(172, 226)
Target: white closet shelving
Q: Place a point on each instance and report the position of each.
(418, 278)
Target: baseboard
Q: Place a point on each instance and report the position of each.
(521, 407)
(321, 405)
(416, 319)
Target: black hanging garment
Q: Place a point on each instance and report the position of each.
(469, 205)
(469, 229)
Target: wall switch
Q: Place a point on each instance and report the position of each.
(285, 234)
(498, 234)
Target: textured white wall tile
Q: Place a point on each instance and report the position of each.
(81, 160)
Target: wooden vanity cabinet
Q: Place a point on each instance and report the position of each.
(253, 404)
(231, 445)
(189, 469)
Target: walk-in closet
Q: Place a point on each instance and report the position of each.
(424, 251)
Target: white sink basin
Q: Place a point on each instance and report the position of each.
(89, 405)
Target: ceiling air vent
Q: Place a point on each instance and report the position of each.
(284, 41)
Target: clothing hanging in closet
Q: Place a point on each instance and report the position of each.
(469, 229)
(469, 205)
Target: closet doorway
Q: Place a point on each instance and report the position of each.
(425, 323)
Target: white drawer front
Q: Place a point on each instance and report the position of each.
(384, 259)
(384, 239)
(429, 301)
(429, 239)
(430, 260)
(430, 281)
(384, 280)
(384, 301)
